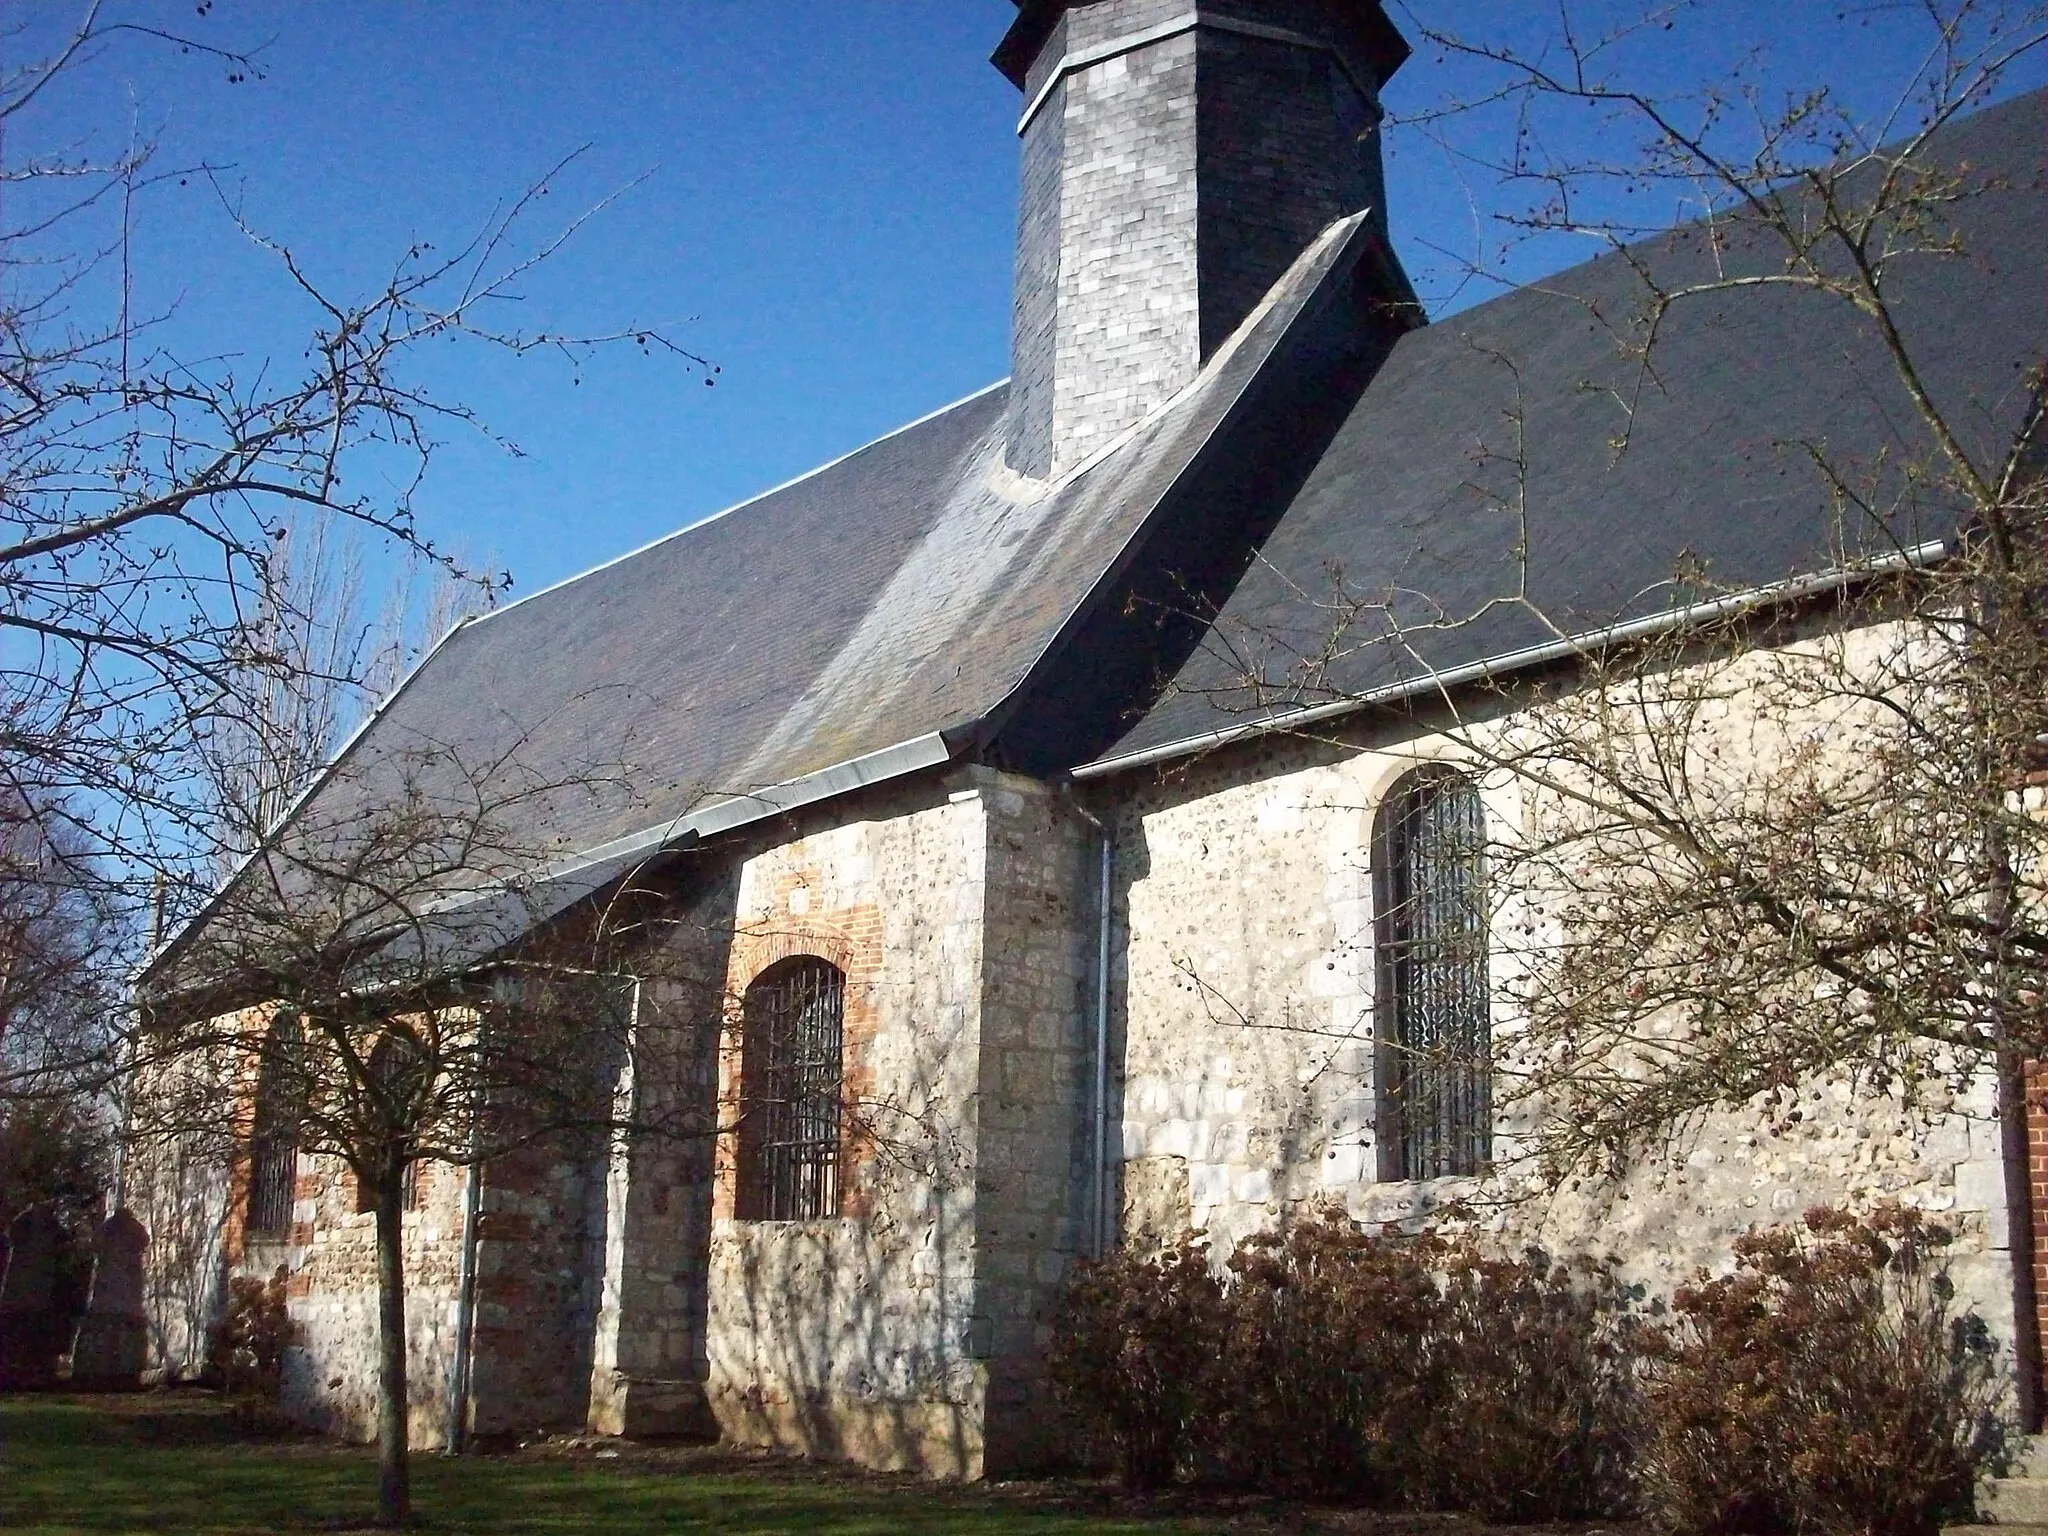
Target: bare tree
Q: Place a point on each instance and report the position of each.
(1763, 833)
(331, 655)
(380, 984)
(409, 971)
(56, 939)
(147, 490)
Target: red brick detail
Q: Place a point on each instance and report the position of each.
(2037, 1191)
(851, 938)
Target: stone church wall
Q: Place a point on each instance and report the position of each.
(649, 1354)
(182, 1198)
(1244, 995)
(893, 1333)
(535, 1298)
(537, 1284)
(1037, 1049)
(331, 1252)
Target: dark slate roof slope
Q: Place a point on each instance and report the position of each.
(900, 594)
(671, 665)
(1421, 491)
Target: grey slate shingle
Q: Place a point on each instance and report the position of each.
(1413, 492)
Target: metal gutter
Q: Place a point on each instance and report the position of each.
(461, 1371)
(736, 811)
(927, 751)
(1100, 1235)
(590, 869)
(1515, 661)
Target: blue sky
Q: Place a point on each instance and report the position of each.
(826, 210)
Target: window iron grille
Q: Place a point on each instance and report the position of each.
(1435, 1021)
(274, 1137)
(272, 1183)
(790, 1090)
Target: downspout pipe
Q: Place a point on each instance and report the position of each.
(2019, 1220)
(1100, 1235)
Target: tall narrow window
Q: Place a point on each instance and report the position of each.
(274, 1137)
(397, 1086)
(790, 1092)
(1434, 1018)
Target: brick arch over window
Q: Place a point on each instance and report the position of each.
(792, 1091)
(392, 1059)
(1433, 998)
(274, 1133)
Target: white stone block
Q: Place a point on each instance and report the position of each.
(1342, 1165)
(1255, 1187)
(1208, 1184)
(1229, 1143)
(1980, 1185)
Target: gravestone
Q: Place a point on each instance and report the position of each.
(30, 1336)
(113, 1339)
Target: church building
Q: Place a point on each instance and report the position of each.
(1046, 907)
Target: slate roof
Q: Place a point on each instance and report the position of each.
(917, 602)
(1417, 494)
(894, 601)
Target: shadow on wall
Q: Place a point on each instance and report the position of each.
(181, 1198)
(855, 1337)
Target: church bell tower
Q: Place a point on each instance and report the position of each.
(1177, 156)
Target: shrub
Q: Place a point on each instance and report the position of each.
(1826, 1385)
(1532, 1414)
(1136, 1355)
(1327, 1359)
(246, 1345)
(1335, 1362)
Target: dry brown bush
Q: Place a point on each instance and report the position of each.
(1827, 1385)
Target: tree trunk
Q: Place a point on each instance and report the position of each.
(394, 1469)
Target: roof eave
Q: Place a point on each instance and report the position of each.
(1509, 663)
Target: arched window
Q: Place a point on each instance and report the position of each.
(398, 1067)
(794, 1017)
(1434, 1021)
(274, 1136)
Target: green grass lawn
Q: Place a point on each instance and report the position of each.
(170, 1464)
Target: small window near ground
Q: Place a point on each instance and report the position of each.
(790, 1092)
(1434, 1005)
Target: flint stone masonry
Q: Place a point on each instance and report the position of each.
(1245, 1002)
(329, 1254)
(186, 1200)
(1165, 189)
(905, 1333)
(615, 1289)
(648, 1365)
